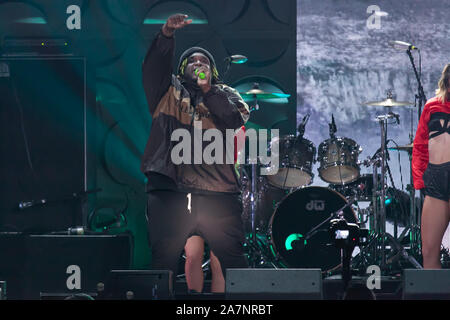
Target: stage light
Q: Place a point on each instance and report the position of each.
(162, 21)
(32, 20)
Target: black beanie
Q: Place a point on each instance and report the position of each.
(189, 52)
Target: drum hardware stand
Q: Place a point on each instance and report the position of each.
(256, 255)
(414, 228)
(252, 242)
(394, 195)
(380, 220)
(402, 253)
(368, 255)
(414, 216)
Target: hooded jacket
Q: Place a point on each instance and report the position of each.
(177, 104)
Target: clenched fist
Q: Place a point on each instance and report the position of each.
(174, 22)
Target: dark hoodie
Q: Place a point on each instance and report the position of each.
(173, 103)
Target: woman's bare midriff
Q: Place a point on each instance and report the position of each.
(439, 149)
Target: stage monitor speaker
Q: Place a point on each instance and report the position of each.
(72, 264)
(69, 296)
(273, 284)
(426, 284)
(139, 285)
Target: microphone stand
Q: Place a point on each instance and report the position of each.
(228, 61)
(346, 252)
(337, 214)
(421, 95)
(414, 215)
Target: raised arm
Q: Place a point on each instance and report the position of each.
(157, 66)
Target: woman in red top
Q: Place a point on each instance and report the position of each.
(431, 170)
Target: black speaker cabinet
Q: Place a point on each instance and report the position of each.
(273, 284)
(140, 285)
(42, 265)
(43, 142)
(13, 258)
(426, 284)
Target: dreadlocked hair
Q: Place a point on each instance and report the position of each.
(183, 66)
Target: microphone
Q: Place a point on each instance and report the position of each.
(302, 125)
(397, 117)
(199, 74)
(400, 45)
(76, 231)
(332, 126)
(237, 59)
(28, 204)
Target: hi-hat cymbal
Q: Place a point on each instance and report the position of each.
(262, 95)
(408, 147)
(389, 102)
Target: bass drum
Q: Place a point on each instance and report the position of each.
(295, 216)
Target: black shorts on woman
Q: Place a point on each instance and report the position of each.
(437, 181)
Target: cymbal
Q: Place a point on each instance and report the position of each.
(407, 147)
(262, 95)
(389, 102)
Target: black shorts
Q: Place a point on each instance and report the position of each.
(174, 216)
(437, 181)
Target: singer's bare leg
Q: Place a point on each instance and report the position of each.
(194, 250)
(435, 219)
(217, 281)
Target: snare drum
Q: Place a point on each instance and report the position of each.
(339, 160)
(295, 162)
(295, 216)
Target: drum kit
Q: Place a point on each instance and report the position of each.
(284, 215)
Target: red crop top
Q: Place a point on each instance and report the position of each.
(432, 113)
